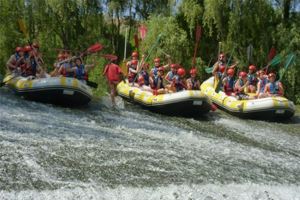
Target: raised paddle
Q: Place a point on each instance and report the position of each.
(198, 36)
(92, 49)
(290, 59)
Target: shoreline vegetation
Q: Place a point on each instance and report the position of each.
(71, 25)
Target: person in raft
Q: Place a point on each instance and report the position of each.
(193, 83)
(252, 79)
(80, 71)
(273, 88)
(157, 83)
(15, 60)
(220, 66)
(240, 85)
(132, 67)
(114, 75)
(228, 83)
(261, 84)
(179, 82)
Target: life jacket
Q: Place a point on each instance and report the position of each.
(145, 75)
(263, 84)
(170, 75)
(80, 73)
(229, 86)
(113, 72)
(252, 79)
(273, 88)
(194, 82)
(178, 83)
(31, 69)
(155, 82)
(154, 71)
(131, 75)
(64, 70)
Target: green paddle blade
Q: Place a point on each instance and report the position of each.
(208, 70)
(276, 60)
(289, 59)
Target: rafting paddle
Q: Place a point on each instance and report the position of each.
(290, 58)
(198, 36)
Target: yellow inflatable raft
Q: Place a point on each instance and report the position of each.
(265, 108)
(56, 90)
(183, 103)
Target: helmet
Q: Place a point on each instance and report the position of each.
(36, 45)
(18, 49)
(272, 75)
(181, 72)
(156, 60)
(230, 72)
(161, 69)
(134, 62)
(193, 71)
(141, 80)
(27, 48)
(134, 54)
(243, 74)
(252, 67)
(222, 68)
(173, 66)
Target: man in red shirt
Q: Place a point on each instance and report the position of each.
(113, 74)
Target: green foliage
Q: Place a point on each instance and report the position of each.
(173, 41)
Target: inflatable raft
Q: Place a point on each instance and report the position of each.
(55, 90)
(184, 103)
(270, 108)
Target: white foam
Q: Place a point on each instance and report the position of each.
(171, 192)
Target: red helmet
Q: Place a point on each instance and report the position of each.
(181, 72)
(134, 62)
(27, 48)
(173, 66)
(272, 75)
(156, 60)
(193, 71)
(161, 69)
(36, 45)
(141, 79)
(243, 74)
(230, 72)
(134, 54)
(252, 67)
(18, 49)
(222, 68)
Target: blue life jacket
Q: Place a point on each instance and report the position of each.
(252, 79)
(155, 82)
(145, 75)
(171, 75)
(80, 72)
(17, 56)
(274, 88)
(230, 84)
(154, 70)
(263, 84)
(178, 83)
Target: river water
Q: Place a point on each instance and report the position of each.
(95, 152)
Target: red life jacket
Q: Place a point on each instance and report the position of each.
(112, 72)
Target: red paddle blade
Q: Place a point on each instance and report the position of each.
(95, 48)
(272, 53)
(110, 57)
